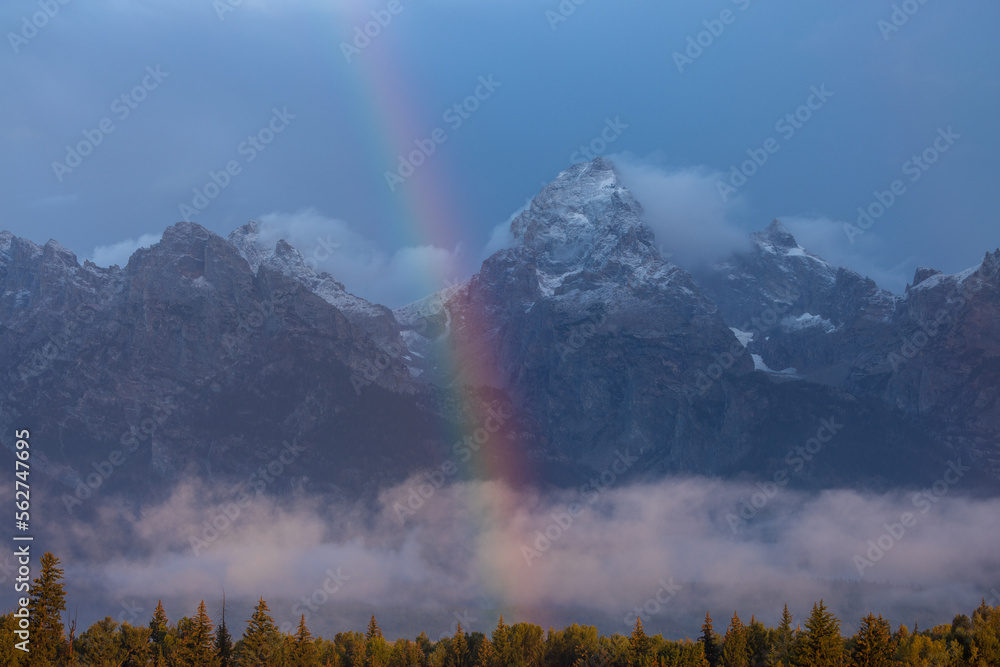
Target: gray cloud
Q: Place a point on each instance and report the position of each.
(392, 278)
(683, 208)
(118, 253)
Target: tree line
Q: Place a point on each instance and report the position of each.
(197, 641)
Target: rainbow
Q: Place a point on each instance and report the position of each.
(425, 211)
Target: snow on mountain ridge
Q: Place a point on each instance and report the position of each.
(377, 320)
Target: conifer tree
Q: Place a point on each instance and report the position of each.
(45, 606)
(873, 646)
(501, 643)
(224, 640)
(784, 637)
(406, 653)
(374, 632)
(458, 650)
(822, 644)
(197, 645)
(353, 648)
(161, 640)
(424, 644)
(710, 642)
(485, 656)
(261, 643)
(758, 643)
(639, 646)
(303, 653)
(735, 652)
(376, 648)
(9, 654)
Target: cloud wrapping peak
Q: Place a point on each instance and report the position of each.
(119, 253)
(684, 210)
(389, 278)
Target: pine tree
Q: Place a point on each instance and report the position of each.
(710, 642)
(639, 646)
(45, 606)
(9, 654)
(197, 649)
(735, 652)
(501, 644)
(303, 653)
(822, 644)
(224, 640)
(161, 641)
(374, 632)
(376, 648)
(485, 656)
(261, 643)
(873, 646)
(424, 644)
(758, 643)
(458, 650)
(406, 654)
(784, 638)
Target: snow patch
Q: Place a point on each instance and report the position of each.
(744, 337)
(759, 365)
(807, 321)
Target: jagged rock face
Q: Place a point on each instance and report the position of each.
(604, 344)
(802, 312)
(931, 353)
(941, 358)
(204, 363)
(208, 353)
(374, 319)
(594, 333)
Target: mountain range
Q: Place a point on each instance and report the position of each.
(207, 357)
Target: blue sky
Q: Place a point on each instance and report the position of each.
(208, 79)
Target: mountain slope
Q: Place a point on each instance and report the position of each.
(204, 357)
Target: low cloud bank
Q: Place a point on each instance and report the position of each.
(425, 557)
